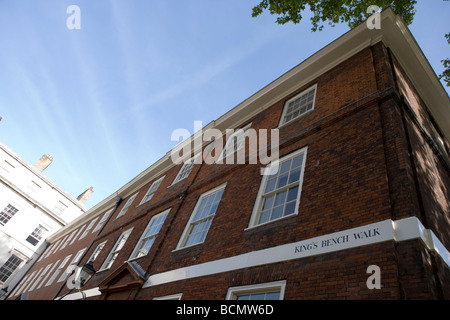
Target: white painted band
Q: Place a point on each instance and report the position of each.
(401, 230)
(405, 229)
(79, 295)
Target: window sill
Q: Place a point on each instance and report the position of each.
(175, 183)
(271, 222)
(187, 247)
(293, 120)
(101, 270)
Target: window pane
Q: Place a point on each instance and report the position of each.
(201, 222)
(8, 268)
(282, 181)
(213, 208)
(299, 105)
(148, 238)
(7, 214)
(280, 198)
(290, 208)
(259, 296)
(219, 195)
(273, 296)
(285, 166)
(297, 162)
(294, 176)
(277, 212)
(292, 194)
(264, 216)
(268, 203)
(270, 185)
(146, 247)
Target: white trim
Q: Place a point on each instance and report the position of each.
(190, 162)
(78, 295)
(401, 230)
(238, 134)
(387, 230)
(57, 271)
(127, 205)
(88, 228)
(124, 234)
(233, 292)
(144, 199)
(187, 229)
(97, 251)
(72, 265)
(285, 107)
(176, 296)
(139, 244)
(258, 203)
(102, 220)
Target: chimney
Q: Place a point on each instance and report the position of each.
(85, 195)
(44, 162)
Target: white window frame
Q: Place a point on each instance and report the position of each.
(185, 170)
(78, 233)
(89, 227)
(235, 141)
(234, 292)
(57, 271)
(151, 191)
(127, 205)
(21, 285)
(49, 273)
(52, 248)
(111, 258)
(38, 277)
(68, 239)
(286, 105)
(144, 237)
(37, 234)
(29, 282)
(59, 208)
(11, 266)
(97, 251)
(187, 230)
(44, 276)
(7, 213)
(71, 266)
(103, 220)
(176, 296)
(257, 209)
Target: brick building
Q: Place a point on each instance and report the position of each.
(358, 208)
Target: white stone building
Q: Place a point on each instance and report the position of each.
(32, 208)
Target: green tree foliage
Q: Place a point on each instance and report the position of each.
(446, 74)
(352, 12)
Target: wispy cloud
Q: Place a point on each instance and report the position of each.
(205, 74)
(97, 105)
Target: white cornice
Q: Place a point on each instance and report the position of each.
(41, 176)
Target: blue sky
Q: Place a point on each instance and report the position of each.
(104, 100)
